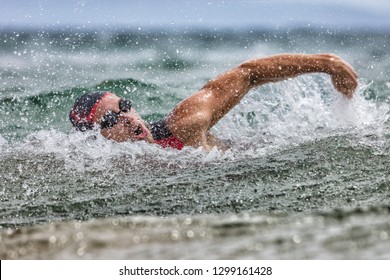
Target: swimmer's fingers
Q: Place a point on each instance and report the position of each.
(345, 84)
(344, 77)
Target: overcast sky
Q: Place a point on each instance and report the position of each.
(186, 13)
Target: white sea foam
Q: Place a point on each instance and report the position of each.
(299, 109)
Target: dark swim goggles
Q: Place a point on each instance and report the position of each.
(110, 119)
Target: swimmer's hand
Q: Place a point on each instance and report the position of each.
(344, 77)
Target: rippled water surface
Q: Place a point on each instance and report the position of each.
(306, 178)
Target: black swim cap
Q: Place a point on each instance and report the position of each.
(84, 108)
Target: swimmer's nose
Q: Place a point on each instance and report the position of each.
(129, 119)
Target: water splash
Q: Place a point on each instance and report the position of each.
(268, 118)
(300, 109)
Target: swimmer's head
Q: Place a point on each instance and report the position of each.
(84, 109)
(115, 116)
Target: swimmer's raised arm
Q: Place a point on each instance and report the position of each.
(228, 88)
(284, 66)
(195, 115)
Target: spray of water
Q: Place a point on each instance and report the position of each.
(269, 118)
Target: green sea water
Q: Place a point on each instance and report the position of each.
(307, 176)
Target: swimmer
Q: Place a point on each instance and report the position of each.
(189, 123)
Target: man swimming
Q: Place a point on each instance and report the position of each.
(189, 123)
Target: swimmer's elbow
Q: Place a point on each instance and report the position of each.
(253, 73)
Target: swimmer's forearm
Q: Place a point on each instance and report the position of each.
(280, 67)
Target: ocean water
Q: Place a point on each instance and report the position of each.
(307, 176)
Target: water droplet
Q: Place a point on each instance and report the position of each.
(80, 251)
(187, 221)
(52, 239)
(297, 239)
(174, 234)
(190, 234)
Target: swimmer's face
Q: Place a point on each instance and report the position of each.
(127, 126)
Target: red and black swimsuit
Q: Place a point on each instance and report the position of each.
(163, 136)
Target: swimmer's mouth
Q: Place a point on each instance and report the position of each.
(138, 130)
